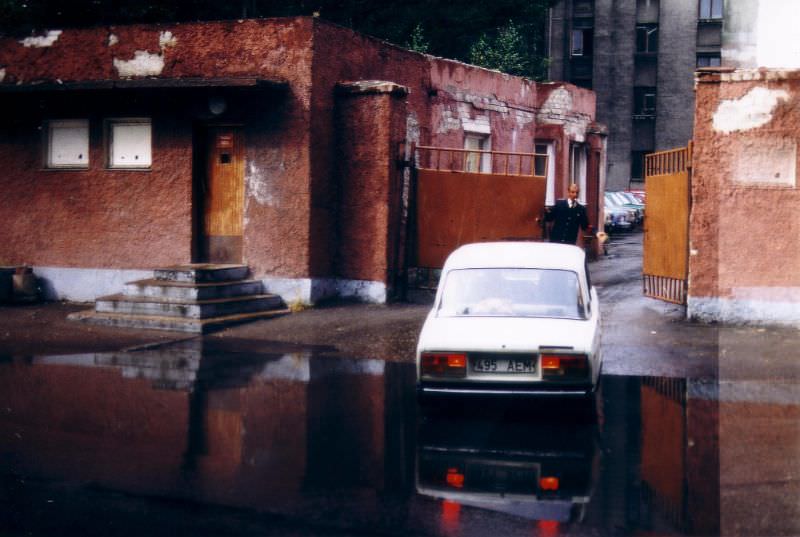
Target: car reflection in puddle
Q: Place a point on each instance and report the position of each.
(538, 465)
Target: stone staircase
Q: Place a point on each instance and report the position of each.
(196, 298)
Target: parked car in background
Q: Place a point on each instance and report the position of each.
(620, 200)
(633, 201)
(617, 218)
(639, 195)
(512, 318)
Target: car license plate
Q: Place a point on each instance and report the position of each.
(509, 366)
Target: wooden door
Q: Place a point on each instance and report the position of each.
(223, 203)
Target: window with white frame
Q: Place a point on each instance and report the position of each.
(547, 167)
(477, 162)
(578, 169)
(68, 143)
(129, 143)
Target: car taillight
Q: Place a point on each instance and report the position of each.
(455, 478)
(444, 364)
(564, 366)
(548, 483)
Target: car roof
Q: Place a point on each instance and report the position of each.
(516, 254)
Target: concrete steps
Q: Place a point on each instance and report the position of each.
(195, 298)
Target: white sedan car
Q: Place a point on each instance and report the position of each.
(512, 318)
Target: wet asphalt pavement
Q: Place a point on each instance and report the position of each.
(308, 425)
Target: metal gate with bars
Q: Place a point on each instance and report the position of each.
(666, 230)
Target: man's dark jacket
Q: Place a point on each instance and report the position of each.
(566, 221)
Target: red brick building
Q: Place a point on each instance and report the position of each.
(278, 143)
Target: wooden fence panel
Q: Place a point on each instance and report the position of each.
(666, 237)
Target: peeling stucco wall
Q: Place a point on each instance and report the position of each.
(744, 261)
(751, 111)
(561, 107)
(143, 63)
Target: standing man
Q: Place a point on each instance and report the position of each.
(567, 216)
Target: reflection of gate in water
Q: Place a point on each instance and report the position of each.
(465, 196)
(666, 231)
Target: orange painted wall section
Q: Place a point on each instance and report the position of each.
(745, 224)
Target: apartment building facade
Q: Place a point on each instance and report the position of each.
(639, 56)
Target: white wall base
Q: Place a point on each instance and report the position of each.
(312, 290)
(743, 311)
(84, 284)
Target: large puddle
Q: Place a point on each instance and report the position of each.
(334, 444)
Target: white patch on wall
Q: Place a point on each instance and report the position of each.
(166, 39)
(112, 40)
(523, 118)
(143, 64)
(559, 102)
(480, 124)
(2, 74)
(42, 41)
(753, 110)
(767, 161)
(412, 132)
(557, 110)
(258, 187)
(449, 122)
(777, 43)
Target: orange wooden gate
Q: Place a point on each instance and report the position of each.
(666, 229)
(466, 196)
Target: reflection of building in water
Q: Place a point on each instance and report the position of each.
(680, 453)
(240, 429)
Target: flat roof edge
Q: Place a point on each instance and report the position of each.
(145, 83)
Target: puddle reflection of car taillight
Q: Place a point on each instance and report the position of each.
(565, 366)
(444, 364)
(548, 484)
(455, 478)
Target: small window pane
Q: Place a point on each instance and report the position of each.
(477, 162)
(708, 61)
(577, 42)
(68, 144)
(647, 38)
(716, 9)
(130, 144)
(582, 41)
(710, 9)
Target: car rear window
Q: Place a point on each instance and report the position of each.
(511, 292)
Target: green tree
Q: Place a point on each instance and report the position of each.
(417, 41)
(505, 51)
